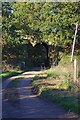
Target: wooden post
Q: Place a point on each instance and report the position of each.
(75, 70)
(78, 70)
(74, 42)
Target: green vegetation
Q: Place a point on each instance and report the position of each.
(29, 24)
(36, 33)
(58, 87)
(52, 74)
(64, 98)
(7, 74)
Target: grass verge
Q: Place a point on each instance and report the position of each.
(58, 87)
(8, 74)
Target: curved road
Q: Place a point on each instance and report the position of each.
(19, 102)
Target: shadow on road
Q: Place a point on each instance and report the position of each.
(19, 101)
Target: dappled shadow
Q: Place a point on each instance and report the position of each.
(32, 106)
(11, 95)
(20, 102)
(40, 78)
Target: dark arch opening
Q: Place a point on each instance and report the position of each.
(41, 54)
(47, 64)
(35, 56)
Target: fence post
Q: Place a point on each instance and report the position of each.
(74, 42)
(75, 70)
(78, 70)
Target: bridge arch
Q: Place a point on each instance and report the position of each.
(41, 53)
(35, 56)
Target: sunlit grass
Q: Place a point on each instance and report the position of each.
(59, 87)
(10, 73)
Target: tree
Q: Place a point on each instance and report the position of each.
(49, 22)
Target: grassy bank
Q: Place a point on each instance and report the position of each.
(7, 74)
(57, 85)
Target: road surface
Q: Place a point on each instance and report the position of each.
(20, 102)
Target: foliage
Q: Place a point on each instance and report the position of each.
(55, 21)
(49, 22)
